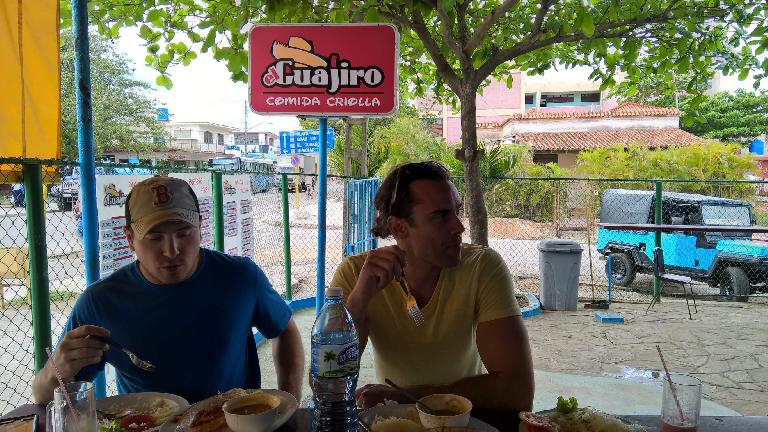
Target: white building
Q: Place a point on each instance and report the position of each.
(203, 137)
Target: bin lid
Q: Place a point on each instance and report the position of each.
(560, 245)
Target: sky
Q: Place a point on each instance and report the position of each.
(204, 91)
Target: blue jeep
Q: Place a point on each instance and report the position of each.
(732, 261)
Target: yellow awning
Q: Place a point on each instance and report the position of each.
(30, 108)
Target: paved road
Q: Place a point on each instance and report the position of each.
(61, 235)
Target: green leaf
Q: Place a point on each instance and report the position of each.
(587, 25)
(164, 81)
(743, 74)
(155, 17)
(209, 41)
(372, 15)
(145, 32)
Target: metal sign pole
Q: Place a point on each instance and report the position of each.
(321, 209)
(86, 154)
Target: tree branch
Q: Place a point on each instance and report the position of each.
(477, 37)
(604, 31)
(539, 20)
(417, 25)
(450, 40)
(461, 17)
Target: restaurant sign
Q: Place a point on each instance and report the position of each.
(323, 69)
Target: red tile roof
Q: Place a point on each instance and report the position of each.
(625, 109)
(634, 109)
(560, 141)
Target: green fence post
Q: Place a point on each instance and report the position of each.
(218, 212)
(286, 236)
(38, 261)
(657, 221)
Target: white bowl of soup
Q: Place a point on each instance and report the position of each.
(448, 410)
(251, 413)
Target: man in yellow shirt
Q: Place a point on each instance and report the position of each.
(471, 340)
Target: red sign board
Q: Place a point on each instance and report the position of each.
(323, 69)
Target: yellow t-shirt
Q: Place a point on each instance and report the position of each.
(443, 350)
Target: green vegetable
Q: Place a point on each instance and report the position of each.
(566, 406)
(111, 426)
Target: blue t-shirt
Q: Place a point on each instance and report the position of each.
(194, 332)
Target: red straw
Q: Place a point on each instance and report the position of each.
(671, 386)
(62, 386)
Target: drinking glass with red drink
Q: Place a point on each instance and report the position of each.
(680, 404)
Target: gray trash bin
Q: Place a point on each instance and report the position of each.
(559, 265)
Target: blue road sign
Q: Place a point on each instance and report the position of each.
(304, 141)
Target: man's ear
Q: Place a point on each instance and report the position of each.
(129, 236)
(398, 227)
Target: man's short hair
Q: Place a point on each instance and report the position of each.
(179, 202)
(394, 195)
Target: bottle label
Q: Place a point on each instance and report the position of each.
(333, 361)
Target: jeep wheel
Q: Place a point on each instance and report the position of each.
(623, 269)
(734, 284)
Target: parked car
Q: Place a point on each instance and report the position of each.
(729, 260)
(66, 193)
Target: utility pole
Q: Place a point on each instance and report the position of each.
(245, 128)
(351, 154)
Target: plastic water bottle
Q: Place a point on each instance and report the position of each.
(335, 367)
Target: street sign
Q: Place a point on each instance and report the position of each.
(323, 69)
(295, 161)
(304, 141)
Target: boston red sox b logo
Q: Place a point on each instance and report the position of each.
(162, 195)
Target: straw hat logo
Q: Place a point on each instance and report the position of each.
(299, 51)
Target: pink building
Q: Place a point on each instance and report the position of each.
(561, 92)
(559, 115)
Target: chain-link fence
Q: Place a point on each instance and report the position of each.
(522, 212)
(66, 257)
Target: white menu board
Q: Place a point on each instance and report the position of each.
(111, 193)
(201, 184)
(238, 220)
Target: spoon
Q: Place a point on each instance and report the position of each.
(413, 398)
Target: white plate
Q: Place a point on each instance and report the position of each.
(133, 400)
(401, 411)
(288, 406)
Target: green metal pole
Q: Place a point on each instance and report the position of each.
(38, 261)
(218, 212)
(286, 236)
(657, 221)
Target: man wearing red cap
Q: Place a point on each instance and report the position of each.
(187, 310)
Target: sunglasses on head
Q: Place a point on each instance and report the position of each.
(410, 168)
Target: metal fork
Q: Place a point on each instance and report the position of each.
(141, 364)
(411, 305)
